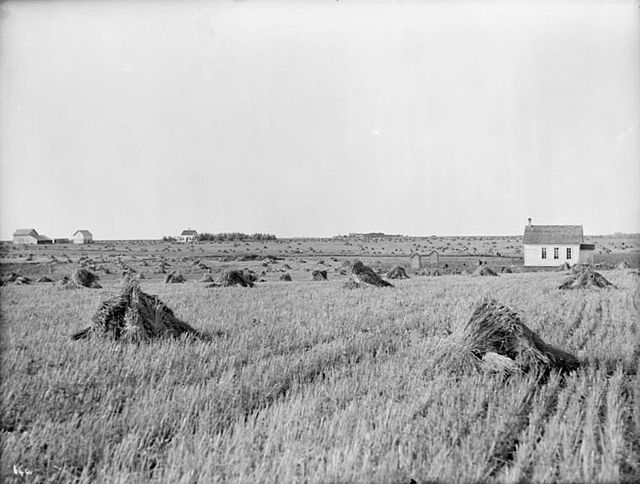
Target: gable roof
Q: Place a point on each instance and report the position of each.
(23, 232)
(553, 234)
(84, 233)
(189, 232)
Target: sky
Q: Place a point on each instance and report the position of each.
(317, 118)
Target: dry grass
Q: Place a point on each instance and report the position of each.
(311, 383)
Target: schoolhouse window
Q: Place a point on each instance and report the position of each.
(544, 252)
(556, 253)
(568, 252)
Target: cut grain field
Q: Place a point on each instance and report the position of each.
(310, 382)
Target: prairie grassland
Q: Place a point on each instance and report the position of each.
(309, 382)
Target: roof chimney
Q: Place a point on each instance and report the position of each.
(529, 221)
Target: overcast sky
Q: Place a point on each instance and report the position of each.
(316, 118)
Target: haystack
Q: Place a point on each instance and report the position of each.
(397, 272)
(231, 278)
(43, 279)
(319, 275)
(484, 271)
(285, 277)
(495, 339)
(624, 265)
(85, 278)
(174, 278)
(135, 316)
(585, 279)
(565, 266)
(579, 268)
(366, 275)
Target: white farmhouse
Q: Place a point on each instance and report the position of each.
(188, 235)
(82, 237)
(553, 245)
(30, 237)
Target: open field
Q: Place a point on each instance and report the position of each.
(307, 381)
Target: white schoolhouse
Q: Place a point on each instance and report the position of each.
(553, 245)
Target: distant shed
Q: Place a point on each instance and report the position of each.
(419, 261)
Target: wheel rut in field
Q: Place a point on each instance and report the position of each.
(250, 400)
(578, 308)
(517, 426)
(596, 322)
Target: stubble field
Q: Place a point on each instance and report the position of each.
(310, 382)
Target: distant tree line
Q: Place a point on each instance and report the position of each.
(234, 236)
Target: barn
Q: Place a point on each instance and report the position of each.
(82, 237)
(554, 245)
(188, 235)
(30, 237)
(25, 236)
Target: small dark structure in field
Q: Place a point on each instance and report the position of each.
(495, 339)
(135, 316)
(585, 279)
(174, 278)
(85, 278)
(319, 275)
(397, 272)
(43, 279)
(232, 278)
(366, 275)
(285, 277)
(483, 270)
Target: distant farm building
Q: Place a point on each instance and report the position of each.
(419, 261)
(82, 237)
(61, 241)
(188, 235)
(554, 245)
(30, 236)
